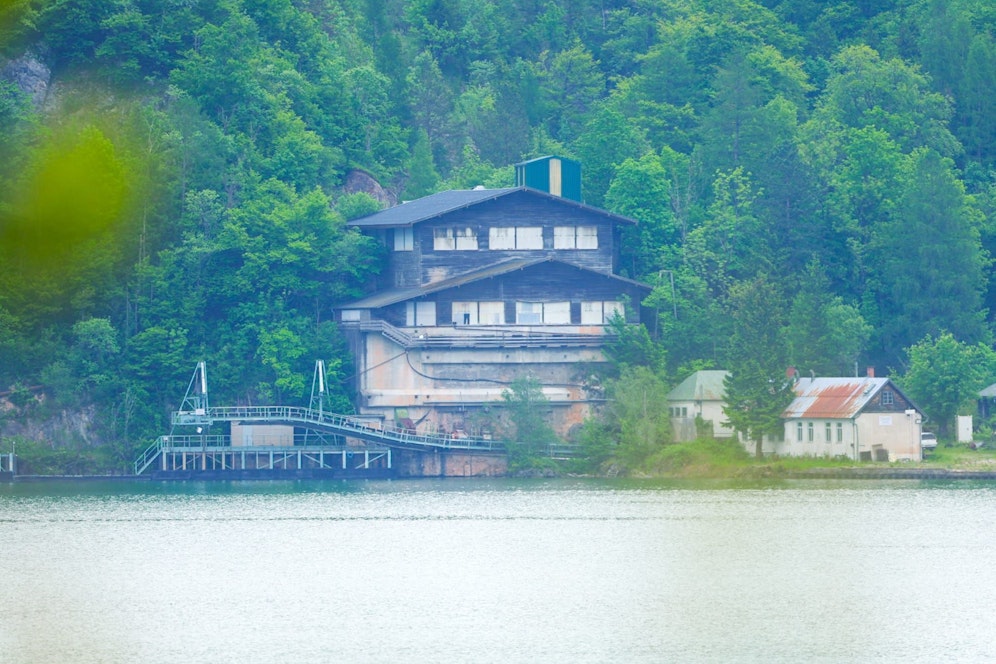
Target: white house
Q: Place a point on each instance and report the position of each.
(868, 419)
(699, 396)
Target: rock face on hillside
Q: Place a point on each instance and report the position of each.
(30, 75)
(358, 181)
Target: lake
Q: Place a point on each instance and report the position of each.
(498, 571)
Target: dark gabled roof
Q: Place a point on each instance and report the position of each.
(395, 295)
(436, 205)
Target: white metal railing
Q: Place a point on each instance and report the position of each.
(340, 424)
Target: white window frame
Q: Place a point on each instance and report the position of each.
(464, 313)
(515, 238)
(491, 313)
(466, 239)
(443, 240)
(501, 238)
(404, 239)
(542, 313)
(528, 313)
(600, 312)
(420, 314)
(528, 238)
(575, 237)
(556, 313)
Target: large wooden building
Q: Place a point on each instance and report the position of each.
(483, 287)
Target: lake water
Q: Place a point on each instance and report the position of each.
(498, 571)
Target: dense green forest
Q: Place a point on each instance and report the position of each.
(824, 170)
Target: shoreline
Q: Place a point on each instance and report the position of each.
(759, 473)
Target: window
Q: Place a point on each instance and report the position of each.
(809, 430)
(519, 237)
(798, 431)
(840, 432)
(557, 313)
(600, 313)
(528, 313)
(450, 239)
(575, 237)
(420, 314)
(501, 238)
(479, 313)
(403, 239)
(543, 313)
(466, 239)
(465, 313)
(829, 433)
(888, 398)
(491, 313)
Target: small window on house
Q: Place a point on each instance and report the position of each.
(829, 432)
(491, 313)
(517, 238)
(529, 237)
(466, 239)
(809, 430)
(403, 239)
(528, 313)
(840, 432)
(587, 237)
(888, 398)
(557, 313)
(575, 237)
(420, 314)
(450, 239)
(798, 431)
(442, 239)
(465, 313)
(684, 411)
(543, 313)
(600, 313)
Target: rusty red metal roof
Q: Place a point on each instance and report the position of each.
(832, 398)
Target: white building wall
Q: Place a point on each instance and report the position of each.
(897, 433)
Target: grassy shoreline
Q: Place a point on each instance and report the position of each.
(713, 458)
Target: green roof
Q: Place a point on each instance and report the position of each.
(705, 385)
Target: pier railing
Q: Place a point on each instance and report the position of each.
(339, 424)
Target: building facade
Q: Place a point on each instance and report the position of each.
(865, 419)
(483, 287)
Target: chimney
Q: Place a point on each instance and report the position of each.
(871, 372)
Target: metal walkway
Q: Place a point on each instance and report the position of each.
(195, 412)
(342, 425)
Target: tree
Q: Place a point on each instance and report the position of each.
(530, 431)
(945, 375)
(636, 418)
(757, 390)
(824, 335)
(927, 260)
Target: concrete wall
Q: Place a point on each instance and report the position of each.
(457, 388)
(443, 463)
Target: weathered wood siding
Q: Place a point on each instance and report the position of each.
(521, 209)
(546, 282)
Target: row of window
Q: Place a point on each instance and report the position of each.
(808, 432)
(511, 238)
(423, 314)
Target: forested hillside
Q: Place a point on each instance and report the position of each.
(173, 189)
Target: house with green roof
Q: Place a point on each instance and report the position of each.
(699, 398)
